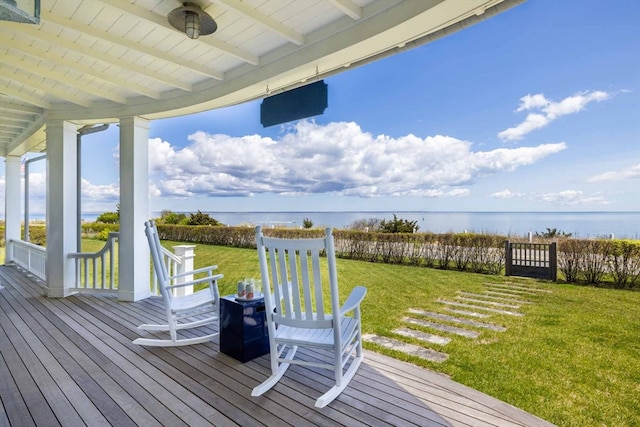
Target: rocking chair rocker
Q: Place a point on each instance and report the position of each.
(183, 312)
(293, 294)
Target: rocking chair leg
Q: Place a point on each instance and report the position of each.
(157, 342)
(334, 391)
(179, 326)
(275, 377)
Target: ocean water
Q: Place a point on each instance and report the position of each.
(580, 224)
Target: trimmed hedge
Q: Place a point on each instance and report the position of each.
(600, 261)
(613, 263)
(465, 252)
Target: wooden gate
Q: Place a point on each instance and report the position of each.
(537, 260)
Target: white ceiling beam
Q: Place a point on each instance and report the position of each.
(16, 61)
(162, 21)
(349, 8)
(8, 132)
(8, 125)
(57, 92)
(106, 58)
(33, 138)
(37, 53)
(28, 98)
(131, 45)
(264, 20)
(15, 116)
(25, 109)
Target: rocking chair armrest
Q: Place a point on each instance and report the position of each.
(199, 270)
(354, 300)
(196, 281)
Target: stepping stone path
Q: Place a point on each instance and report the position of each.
(421, 352)
(453, 319)
(443, 328)
(498, 298)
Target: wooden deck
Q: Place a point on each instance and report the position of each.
(70, 362)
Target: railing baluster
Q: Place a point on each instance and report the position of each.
(104, 270)
(85, 274)
(111, 270)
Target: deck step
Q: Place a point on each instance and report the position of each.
(440, 327)
(454, 319)
(422, 336)
(414, 350)
(478, 307)
(491, 303)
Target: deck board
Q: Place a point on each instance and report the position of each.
(71, 362)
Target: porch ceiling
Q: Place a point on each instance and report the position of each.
(91, 61)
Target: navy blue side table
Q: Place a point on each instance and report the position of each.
(243, 328)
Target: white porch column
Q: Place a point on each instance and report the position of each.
(133, 273)
(11, 202)
(61, 206)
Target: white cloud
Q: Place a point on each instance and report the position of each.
(632, 172)
(105, 193)
(548, 111)
(573, 197)
(506, 194)
(336, 158)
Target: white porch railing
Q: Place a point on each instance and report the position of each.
(32, 258)
(96, 271)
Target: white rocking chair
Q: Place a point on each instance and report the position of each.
(294, 302)
(183, 312)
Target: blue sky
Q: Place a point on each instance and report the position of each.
(536, 109)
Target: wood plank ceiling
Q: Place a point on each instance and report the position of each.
(93, 61)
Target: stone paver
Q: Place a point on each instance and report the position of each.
(421, 352)
(527, 288)
(454, 319)
(440, 327)
(466, 313)
(422, 336)
(492, 303)
(513, 292)
(507, 296)
(478, 307)
(492, 297)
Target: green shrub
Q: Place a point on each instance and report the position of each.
(173, 218)
(91, 229)
(38, 235)
(104, 234)
(624, 262)
(109, 218)
(398, 225)
(201, 218)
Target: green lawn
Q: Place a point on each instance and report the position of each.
(573, 359)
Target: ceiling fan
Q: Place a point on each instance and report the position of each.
(192, 20)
